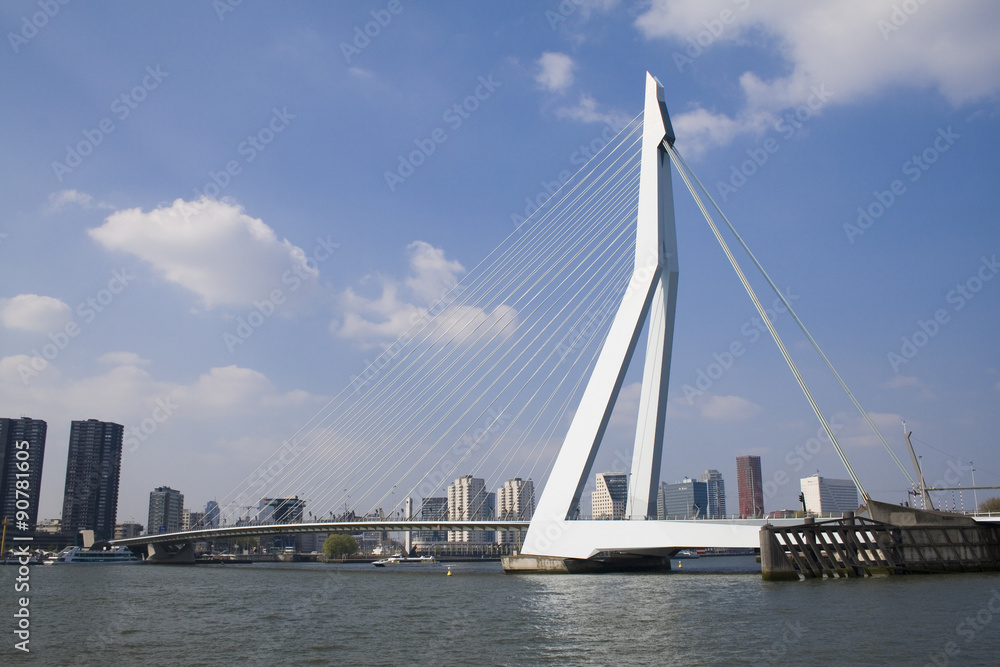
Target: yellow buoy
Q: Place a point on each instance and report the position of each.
(449, 571)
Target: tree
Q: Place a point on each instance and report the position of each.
(340, 545)
(991, 505)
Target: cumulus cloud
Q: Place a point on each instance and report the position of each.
(212, 248)
(854, 49)
(58, 200)
(587, 110)
(555, 71)
(31, 312)
(425, 294)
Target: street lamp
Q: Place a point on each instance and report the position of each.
(975, 498)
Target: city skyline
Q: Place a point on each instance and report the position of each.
(856, 161)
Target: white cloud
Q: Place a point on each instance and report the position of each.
(58, 200)
(360, 73)
(587, 111)
(403, 303)
(728, 408)
(855, 432)
(850, 48)
(555, 71)
(212, 248)
(31, 312)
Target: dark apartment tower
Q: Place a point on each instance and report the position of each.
(22, 448)
(90, 501)
(751, 489)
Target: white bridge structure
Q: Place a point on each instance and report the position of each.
(544, 329)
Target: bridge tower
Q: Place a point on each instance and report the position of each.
(650, 298)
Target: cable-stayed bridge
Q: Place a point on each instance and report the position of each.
(515, 373)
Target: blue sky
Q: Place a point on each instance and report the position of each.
(853, 144)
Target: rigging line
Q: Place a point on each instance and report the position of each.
(605, 291)
(802, 326)
(537, 292)
(229, 500)
(444, 333)
(770, 326)
(383, 429)
(574, 395)
(514, 364)
(529, 402)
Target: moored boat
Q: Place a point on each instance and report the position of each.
(405, 560)
(79, 555)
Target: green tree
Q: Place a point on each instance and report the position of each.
(340, 545)
(991, 505)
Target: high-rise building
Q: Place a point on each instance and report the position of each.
(515, 502)
(165, 508)
(432, 509)
(281, 510)
(687, 499)
(608, 500)
(93, 466)
(192, 520)
(211, 514)
(716, 493)
(829, 496)
(750, 485)
(22, 449)
(469, 501)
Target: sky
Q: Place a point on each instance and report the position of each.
(214, 215)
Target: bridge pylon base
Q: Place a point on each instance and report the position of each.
(608, 562)
(171, 554)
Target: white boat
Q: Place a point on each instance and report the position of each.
(405, 560)
(79, 555)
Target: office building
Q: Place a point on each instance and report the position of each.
(609, 499)
(824, 496)
(93, 466)
(432, 509)
(515, 502)
(281, 510)
(469, 501)
(192, 520)
(716, 493)
(686, 499)
(127, 530)
(22, 450)
(165, 508)
(211, 514)
(750, 486)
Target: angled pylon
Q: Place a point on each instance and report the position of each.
(650, 296)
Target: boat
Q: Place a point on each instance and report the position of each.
(79, 555)
(405, 560)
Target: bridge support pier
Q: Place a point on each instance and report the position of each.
(171, 554)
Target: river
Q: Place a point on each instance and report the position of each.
(317, 614)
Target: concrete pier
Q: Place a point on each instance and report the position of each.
(902, 540)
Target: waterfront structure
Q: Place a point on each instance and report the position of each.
(716, 493)
(468, 500)
(750, 485)
(824, 496)
(128, 529)
(432, 509)
(166, 506)
(686, 499)
(93, 467)
(608, 500)
(515, 501)
(22, 450)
